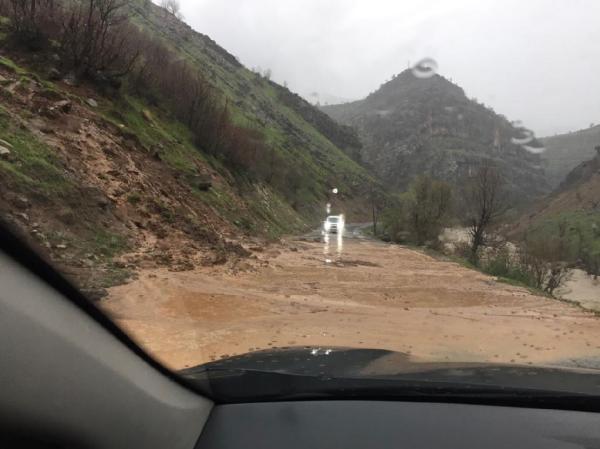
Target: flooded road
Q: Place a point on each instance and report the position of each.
(351, 292)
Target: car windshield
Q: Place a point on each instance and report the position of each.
(420, 178)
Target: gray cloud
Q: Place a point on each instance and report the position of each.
(535, 60)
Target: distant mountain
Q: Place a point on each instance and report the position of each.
(323, 98)
(564, 152)
(411, 126)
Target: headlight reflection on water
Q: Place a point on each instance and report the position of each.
(333, 245)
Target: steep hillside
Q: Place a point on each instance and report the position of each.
(578, 193)
(564, 152)
(412, 125)
(318, 147)
(570, 216)
(106, 180)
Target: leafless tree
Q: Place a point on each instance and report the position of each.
(377, 200)
(29, 19)
(543, 261)
(97, 38)
(172, 7)
(485, 203)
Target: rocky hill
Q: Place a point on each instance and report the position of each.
(106, 177)
(412, 125)
(566, 151)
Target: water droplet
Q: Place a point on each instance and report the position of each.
(425, 68)
(335, 190)
(534, 150)
(525, 136)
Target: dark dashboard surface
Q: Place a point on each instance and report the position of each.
(378, 424)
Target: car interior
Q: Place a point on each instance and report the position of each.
(72, 379)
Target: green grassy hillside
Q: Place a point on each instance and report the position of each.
(320, 149)
(105, 180)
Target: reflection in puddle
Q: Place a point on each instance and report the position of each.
(333, 246)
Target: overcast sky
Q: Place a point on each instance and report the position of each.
(537, 61)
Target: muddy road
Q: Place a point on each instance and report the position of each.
(349, 292)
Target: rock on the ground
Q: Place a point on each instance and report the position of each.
(21, 202)
(4, 153)
(63, 106)
(93, 103)
(6, 144)
(53, 74)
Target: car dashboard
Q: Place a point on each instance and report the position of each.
(381, 424)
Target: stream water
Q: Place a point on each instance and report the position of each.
(580, 287)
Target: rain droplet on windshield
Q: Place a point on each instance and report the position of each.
(425, 68)
(525, 136)
(534, 150)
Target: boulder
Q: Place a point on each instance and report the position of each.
(93, 103)
(63, 106)
(147, 115)
(4, 153)
(201, 182)
(53, 74)
(70, 79)
(21, 202)
(6, 144)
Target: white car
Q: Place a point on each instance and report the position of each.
(334, 224)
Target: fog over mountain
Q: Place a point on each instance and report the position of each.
(532, 61)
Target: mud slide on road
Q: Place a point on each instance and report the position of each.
(370, 295)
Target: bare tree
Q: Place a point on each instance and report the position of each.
(543, 260)
(485, 203)
(377, 200)
(172, 7)
(97, 39)
(29, 19)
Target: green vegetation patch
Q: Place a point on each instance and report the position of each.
(31, 164)
(577, 235)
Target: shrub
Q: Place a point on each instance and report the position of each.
(535, 263)
(421, 213)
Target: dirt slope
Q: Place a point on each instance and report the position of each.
(370, 295)
(102, 193)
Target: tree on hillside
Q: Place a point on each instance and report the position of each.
(419, 214)
(377, 200)
(29, 19)
(172, 7)
(96, 38)
(429, 204)
(485, 202)
(543, 260)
